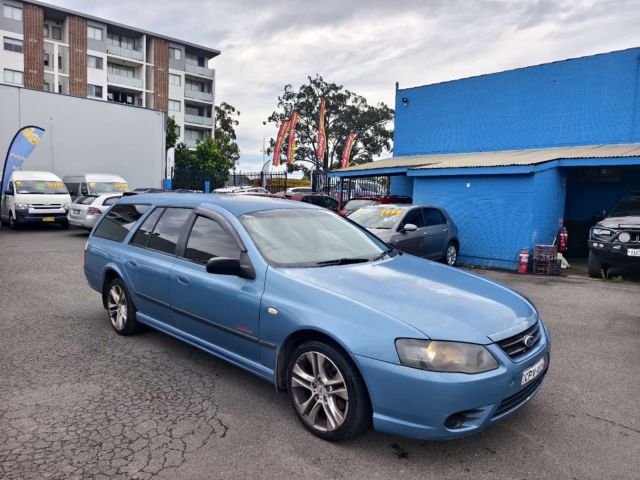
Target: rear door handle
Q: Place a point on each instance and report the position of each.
(132, 263)
(445, 229)
(182, 279)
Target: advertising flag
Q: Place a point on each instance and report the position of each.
(291, 146)
(20, 148)
(282, 132)
(322, 135)
(346, 153)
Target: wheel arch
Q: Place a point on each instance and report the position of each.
(110, 273)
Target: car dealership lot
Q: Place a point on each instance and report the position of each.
(79, 401)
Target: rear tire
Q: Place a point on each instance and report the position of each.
(451, 254)
(327, 392)
(120, 309)
(596, 268)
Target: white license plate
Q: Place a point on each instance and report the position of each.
(633, 252)
(532, 372)
(76, 212)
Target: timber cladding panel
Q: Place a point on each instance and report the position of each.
(161, 74)
(33, 17)
(77, 56)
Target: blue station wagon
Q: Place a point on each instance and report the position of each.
(358, 333)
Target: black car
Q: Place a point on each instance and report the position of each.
(615, 240)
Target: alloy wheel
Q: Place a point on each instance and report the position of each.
(319, 391)
(452, 255)
(117, 307)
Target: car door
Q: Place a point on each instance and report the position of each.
(437, 232)
(7, 198)
(222, 310)
(411, 242)
(150, 258)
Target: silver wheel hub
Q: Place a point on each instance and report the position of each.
(319, 392)
(452, 255)
(117, 307)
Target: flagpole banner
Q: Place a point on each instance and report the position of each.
(278, 148)
(20, 148)
(322, 135)
(346, 153)
(291, 145)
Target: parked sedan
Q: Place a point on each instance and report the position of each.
(421, 230)
(324, 201)
(365, 201)
(358, 334)
(86, 210)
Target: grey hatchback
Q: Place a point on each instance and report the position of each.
(422, 230)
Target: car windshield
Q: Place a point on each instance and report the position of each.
(108, 187)
(382, 217)
(48, 187)
(627, 207)
(352, 205)
(309, 238)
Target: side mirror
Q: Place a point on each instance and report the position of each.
(409, 227)
(229, 266)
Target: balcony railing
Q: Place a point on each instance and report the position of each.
(205, 72)
(128, 81)
(125, 52)
(205, 96)
(198, 120)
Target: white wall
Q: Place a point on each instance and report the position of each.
(86, 136)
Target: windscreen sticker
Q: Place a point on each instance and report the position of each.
(122, 185)
(389, 212)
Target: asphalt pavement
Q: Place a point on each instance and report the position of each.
(79, 401)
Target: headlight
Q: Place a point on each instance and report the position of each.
(602, 232)
(22, 206)
(624, 237)
(438, 356)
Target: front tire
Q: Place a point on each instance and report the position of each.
(596, 268)
(327, 392)
(120, 309)
(13, 225)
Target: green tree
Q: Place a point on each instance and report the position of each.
(225, 133)
(344, 111)
(210, 156)
(171, 133)
(183, 156)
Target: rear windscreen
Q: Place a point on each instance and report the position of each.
(85, 199)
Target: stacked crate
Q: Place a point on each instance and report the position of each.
(545, 260)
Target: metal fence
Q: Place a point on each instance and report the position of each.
(351, 187)
(186, 178)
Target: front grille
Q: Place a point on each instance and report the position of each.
(635, 235)
(519, 398)
(514, 346)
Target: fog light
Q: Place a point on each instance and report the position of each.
(617, 247)
(595, 244)
(455, 421)
(624, 237)
(600, 245)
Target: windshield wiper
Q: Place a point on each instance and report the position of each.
(340, 261)
(381, 255)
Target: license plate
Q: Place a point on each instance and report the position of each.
(633, 252)
(532, 372)
(48, 219)
(76, 212)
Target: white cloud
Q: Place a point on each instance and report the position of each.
(369, 45)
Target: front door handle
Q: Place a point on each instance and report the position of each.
(132, 263)
(182, 279)
(445, 229)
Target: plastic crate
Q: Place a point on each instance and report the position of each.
(546, 267)
(545, 252)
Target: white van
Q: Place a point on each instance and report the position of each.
(35, 197)
(94, 184)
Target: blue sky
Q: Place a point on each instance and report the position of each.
(369, 45)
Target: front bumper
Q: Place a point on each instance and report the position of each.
(23, 216)
(416, 404)
(614, 253)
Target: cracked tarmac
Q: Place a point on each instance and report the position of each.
(79, 401)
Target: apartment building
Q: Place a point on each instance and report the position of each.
(62, 51)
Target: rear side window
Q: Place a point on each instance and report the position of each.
(167, 231)
(207, 240)
(86, 199)
(117, 223)
(141, 237)
(433, 216)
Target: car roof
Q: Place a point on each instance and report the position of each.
(236, 205)
(33, 175)
(97, 177)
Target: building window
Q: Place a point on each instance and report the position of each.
(194, 86)
(122, 41)
(178, 130)
(95, 62)
(59, 62)
(13, 45)
(46, 59)
(47, 87)
(175, 53)
(175, 80)
(195, 60)
(13, 77)
(94, 33)
(94, 91)
(121, 70)
(45, 31)
(14, 13)
(120, 97)
(59, 88)
(174, 106)
(56, 32)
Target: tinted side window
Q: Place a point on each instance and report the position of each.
(141, 237)
(117, 223)
(207, 240)
(165, 236)
(415, 217)
(433, 216)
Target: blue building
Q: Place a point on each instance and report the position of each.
(514, 155)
